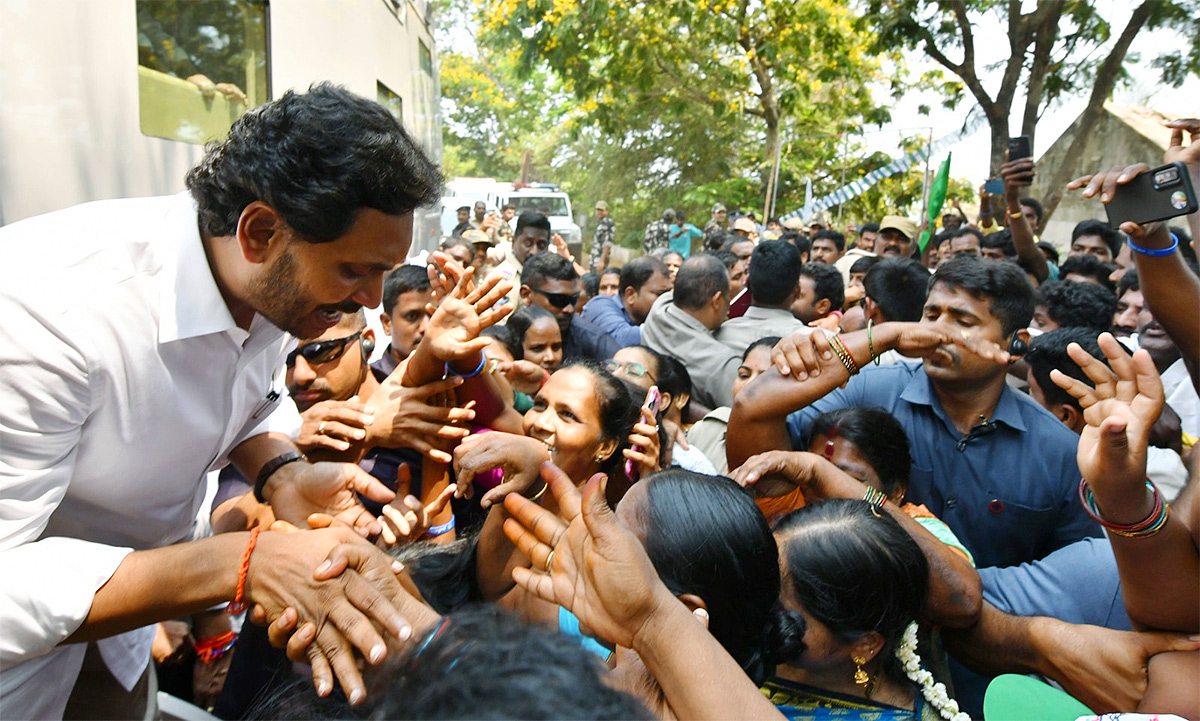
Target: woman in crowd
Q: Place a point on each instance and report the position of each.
(536, 337)
(860, 582)
(642, 367)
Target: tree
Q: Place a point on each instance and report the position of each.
(1055, 51)
(798, 66)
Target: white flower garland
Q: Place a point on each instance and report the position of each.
(935, 693)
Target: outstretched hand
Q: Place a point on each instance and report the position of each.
(454, 327)
(586, 560)
(1119, 413)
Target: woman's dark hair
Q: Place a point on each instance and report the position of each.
(706, 537)
(503, 334)
(877, 435)
(317, 158)
(673, 377)
(519, 323)
(855, 572)
(769, 341)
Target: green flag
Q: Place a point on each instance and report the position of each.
(937, 197)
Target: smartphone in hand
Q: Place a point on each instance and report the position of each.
(1159, 194)
(1019, 147)
(653, 396)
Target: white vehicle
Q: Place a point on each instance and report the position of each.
(546, 199)
(116, 98)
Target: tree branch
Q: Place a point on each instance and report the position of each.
(1046, 19)
(1102, 88)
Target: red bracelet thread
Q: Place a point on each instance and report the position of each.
(238, 604)
(211, 649)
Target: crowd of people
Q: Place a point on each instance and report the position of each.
(257, 453)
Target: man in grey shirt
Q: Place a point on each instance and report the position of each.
(774, 286)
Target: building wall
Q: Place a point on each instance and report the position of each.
(1113, 142)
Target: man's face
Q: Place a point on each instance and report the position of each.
(894, 244)
(965, 245)
(824, 251)
(804, 307)
(406, 324)
(531, 241)
(743, 250)
(610, 284)
(775, 226)
(1042, 320)
(1129, 307)
(463, 215)
(951, 221)
(480, 211)
(307, 287)
(336, 380)
(1124, 263)
(720, 216)
(866, 241)
(1030, 216)
(508, 214)
(601, 213)
(960, 312)
(551, 292)
(1155, 340)
(637, 303)
(992, 253)
(1091, 245)
(672, 261)
(462, 253)
(478, 256)
(738, 275)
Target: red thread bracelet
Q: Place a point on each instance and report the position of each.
(238, 604)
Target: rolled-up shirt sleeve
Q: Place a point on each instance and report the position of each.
(45, 400)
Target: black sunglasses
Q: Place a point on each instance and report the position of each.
(558, 300)
(322, 351)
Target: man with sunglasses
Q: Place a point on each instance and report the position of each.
(550, 281)
(142, 347)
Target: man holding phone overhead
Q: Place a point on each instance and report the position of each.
(1017, 174)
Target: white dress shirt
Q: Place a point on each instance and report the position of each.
(123, 380)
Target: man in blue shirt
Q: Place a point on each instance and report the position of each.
(620, 317)
(989, 461)
(683, 235)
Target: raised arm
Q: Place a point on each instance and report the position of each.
(1156, 551)
(1017, 175)
(596, 568)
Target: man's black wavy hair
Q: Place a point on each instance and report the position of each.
(317, 158)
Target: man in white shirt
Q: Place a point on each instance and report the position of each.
(143, 345)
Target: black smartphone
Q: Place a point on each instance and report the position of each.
(1162, 193)
(1019, 147)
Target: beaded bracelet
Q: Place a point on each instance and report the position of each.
(839, 348)
(871, 343)
(1154, 252)
(1149, 526)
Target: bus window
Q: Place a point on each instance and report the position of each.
(201, 64)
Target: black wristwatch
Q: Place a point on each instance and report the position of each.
(269, 469)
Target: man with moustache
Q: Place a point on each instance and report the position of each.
(143, 346)
(993, 464)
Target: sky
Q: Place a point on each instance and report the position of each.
(971, 156)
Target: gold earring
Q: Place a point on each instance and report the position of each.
(861, 677)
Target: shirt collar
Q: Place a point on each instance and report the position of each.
(919, 391)
(190, 304)
(757, 312)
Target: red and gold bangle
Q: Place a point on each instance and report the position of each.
(843, 354)
(239, 605)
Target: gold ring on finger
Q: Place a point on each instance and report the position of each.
(549, 560)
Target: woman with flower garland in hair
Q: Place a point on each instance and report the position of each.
(860, 582)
